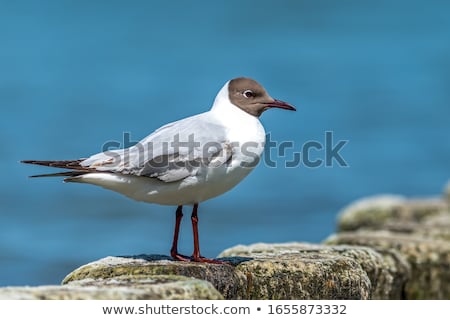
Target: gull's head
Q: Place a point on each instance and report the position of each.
(250, 96)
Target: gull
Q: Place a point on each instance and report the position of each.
(187, 161)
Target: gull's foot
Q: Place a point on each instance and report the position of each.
(180, 257)
(206, 260)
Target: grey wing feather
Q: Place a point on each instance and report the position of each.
(171, 153)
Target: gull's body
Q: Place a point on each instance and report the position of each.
(225, 125)
(188, 161)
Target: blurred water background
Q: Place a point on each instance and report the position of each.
(76, 74)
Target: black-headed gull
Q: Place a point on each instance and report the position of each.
(187, 161)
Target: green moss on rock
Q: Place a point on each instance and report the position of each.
(389, 213)
(447, 192)
(118, 288)
(283, 274)
(429, 259)
(387, 274)
(221, 276)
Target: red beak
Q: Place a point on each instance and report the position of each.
(280, 104)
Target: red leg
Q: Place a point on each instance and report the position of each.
(194, 219)
(196, 254)
(174, 250)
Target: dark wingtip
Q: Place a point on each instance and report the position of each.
(64, 164)
(69, 174)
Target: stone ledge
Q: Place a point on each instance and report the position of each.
(387, 247)
(118, 288)
(386, 273)
(220, 276)
(302, 272)
(447, 192)
(429, 259)
(418, 230)
(388, 212)
(275, 271)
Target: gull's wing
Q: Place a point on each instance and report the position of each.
(171, 153)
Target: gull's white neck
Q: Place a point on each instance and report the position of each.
(228, 112)
(242, 125)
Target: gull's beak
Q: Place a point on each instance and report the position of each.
(280, 104)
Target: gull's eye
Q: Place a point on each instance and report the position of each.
(248, 94)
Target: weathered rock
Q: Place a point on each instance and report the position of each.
(447, 192)
(221, 276)
(429, 259)
(292, 274)
(392, 213)
(391, 248)
(287, 274)
(436, 227)
(387, 273)
(118, 288)
(370, 212)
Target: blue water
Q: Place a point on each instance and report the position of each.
(75, 74)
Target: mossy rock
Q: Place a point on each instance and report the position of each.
(447, 192)
(118, 288)
(429, 259)
(387, 273)
(387, 212)
(310, 274)
(221, 276)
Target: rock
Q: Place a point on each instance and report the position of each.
(221, 276)
(436, 227)
(392, 213)
(417, 230)
(286, 274)
(371, 212)
(317, 263)
(305, 276)
(447, 192)
(389, 247)
(118, 288)
(429, 259)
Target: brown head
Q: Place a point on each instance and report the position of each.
(251, 97)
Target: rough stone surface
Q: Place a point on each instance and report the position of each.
(221, 276)
(118, 288)
(447, 192)
(389, 212)
(417, 230)
(277, 271)
(291, 274)
(436, 227)
(388, 247)
(305, 276)
(429, 259)
(386, 273)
